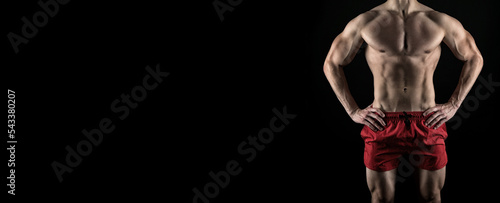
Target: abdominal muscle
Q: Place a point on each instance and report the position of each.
(392, 100)
(401, 82)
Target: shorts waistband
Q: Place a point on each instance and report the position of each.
(405, 115)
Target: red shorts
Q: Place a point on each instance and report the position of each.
(405, 134)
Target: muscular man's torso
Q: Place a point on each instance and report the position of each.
(403, 52)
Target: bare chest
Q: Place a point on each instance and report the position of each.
(392, 34)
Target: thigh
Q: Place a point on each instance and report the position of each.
(382, 183)
(431, 181)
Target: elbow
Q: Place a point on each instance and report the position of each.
(329, 67)
(476, 61)
(479, 59)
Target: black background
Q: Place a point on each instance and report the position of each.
(225, 79)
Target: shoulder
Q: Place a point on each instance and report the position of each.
(361, 20)
(451, 26)
(443, 20)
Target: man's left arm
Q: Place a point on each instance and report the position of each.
(464, 47)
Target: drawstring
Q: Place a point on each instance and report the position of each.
(407, 117)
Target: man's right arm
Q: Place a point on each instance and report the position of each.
(341, 53)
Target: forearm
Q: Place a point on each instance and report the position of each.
(468, 76)
(338, 82)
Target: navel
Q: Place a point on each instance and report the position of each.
(405, 83)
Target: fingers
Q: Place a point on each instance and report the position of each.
(370, 125)
(431, 119)
(378, 118)
(430, 110)
(373, 124)
(372, 117)
(441, 122)
(436, 119)
(378, 111)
